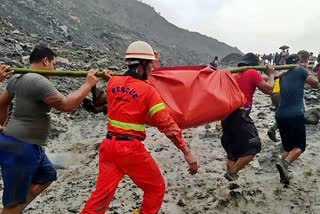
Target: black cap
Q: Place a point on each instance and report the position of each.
(304, 54)
(293, 59)
(250, 59)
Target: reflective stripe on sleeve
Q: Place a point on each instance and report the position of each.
(157, 107)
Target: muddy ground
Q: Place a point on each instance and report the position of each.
(73, 148)
(258, 189)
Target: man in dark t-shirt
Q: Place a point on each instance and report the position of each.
(290, 115)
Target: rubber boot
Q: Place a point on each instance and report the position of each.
(272, 133)
(231, 176)
(282, 167)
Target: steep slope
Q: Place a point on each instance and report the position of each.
(111, 25)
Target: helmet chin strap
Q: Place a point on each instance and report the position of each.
(144, 68)
(144, 75)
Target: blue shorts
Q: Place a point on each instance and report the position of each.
(22, 164)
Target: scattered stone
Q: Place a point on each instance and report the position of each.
(18, 47)
(233, 186)
(75, 18)
(114, 68)
(16, 32)
(159, 149)
(236, 194)
(263, 158)
(312, 116)
(25, 60)
(64, 28)
(181, 203)
(75, 209)
(262, 115)
(63, 60)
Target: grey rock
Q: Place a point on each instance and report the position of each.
(267, 157)
(16, 31)
(312, 116)
(18, 47)
(181, 203)
(64, 28)
(114, 68)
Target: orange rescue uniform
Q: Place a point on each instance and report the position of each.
(131, 102)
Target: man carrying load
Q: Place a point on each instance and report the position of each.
(131, 101)
(290, 116)
(26, 170)
(240, 138)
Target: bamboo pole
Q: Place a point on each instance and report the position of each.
(69, 73)
(53, 72)
(263, 68)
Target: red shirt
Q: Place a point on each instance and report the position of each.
(131, 102)
(248, 80)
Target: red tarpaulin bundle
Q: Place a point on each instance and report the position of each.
(197, 95)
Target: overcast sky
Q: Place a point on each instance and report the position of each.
(251, 25)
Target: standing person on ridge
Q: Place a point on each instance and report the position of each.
(276, 60)
(312, 59)
(317, 68)
(131, 101)
(215, 62)
(26, 170)
(270, 58)
(290, 115)
(240, 137)
(283, 56)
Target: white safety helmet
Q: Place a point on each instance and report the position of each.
(140, 50)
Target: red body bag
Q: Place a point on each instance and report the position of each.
(197, 95)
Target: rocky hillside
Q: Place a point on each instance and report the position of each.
(231, 59)
(110, 25)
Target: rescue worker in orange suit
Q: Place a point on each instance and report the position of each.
(131, 101)
(155, 63)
